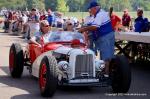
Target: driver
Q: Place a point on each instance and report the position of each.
(44, 30)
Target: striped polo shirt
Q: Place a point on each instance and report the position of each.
(103, 23)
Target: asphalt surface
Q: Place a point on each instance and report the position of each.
(27, 86)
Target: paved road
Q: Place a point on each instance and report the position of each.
(27, 86)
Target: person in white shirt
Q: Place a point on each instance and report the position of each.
(105, 38)
(33, 22)
(69, 25)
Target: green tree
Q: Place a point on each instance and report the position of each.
(50, 4)
(145, 4)
(85, 5)
(61, 6)
(35, 4)
(12, 4)
(75, 5)
(118, 5)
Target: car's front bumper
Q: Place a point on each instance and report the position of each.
(74, 81)
(85, 82)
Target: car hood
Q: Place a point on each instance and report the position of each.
(69, 50)
(52, 46)
(63, 50)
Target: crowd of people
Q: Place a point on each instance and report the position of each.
(29, 21)
(141, 24)
(22, 21)
(99, 27)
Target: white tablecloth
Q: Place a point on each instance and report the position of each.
(143, 37)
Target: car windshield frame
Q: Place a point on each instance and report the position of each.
(63, 36)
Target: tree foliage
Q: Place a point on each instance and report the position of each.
(62, 6)
(51, 4)
(73, 5)
(35, 4)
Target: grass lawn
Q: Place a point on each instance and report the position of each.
(81, 15)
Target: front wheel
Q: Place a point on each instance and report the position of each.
(16, 60)
(121, 74)
(48, 76)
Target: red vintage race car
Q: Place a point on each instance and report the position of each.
(62, 59)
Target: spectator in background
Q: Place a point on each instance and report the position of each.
(69, 26)
(126, 19)
(59, 20)
(10, 16)
(50, 17)
(141, 23)
(43, 15)
(75, 21)
(115, 20)
(34, 22)
(8, 19)
(24, 23)
(24, 18)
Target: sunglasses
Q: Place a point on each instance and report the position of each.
(69, 24)
(46, 26)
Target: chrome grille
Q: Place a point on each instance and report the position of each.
(84, 65)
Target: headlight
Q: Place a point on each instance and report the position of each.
(99, 65)
(63, 65)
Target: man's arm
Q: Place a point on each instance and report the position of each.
(87, 28)
(34, 40)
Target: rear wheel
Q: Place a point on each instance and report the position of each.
(48, 76)
(121, 74)
(16, 60)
